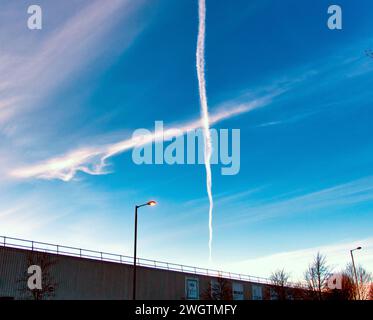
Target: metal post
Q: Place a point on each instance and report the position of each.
(149, 203)
(357, 283)
(134, 257)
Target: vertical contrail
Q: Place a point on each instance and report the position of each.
(200, 55)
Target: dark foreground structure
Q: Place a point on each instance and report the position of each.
(71, 273)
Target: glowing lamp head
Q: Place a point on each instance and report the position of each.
(152, 203)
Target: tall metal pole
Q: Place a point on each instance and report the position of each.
(134, 257)
(149, 203)
(353, 265)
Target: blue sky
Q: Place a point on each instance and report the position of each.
(94, 74)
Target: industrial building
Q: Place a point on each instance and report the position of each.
(78, 274)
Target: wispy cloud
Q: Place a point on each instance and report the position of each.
(338, 196)
(93, 160)
(34, 65)
(53, 58)
(296, 261)
(25, 217)
(74, 214)
(288, 120)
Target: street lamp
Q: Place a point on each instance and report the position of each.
(353, 265)
(149, 203)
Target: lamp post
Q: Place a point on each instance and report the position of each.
(353, 265)
(150, 203)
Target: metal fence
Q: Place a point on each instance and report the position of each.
(117, 258)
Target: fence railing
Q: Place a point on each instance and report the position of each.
(111, 257)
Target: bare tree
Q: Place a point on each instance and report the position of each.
(220, 289)
(49, 285)
(280, 282)
(361, 290)
(317, 275)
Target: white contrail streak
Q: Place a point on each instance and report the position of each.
(200, 55)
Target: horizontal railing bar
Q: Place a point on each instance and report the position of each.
(113, 257)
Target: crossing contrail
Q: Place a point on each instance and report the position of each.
(200, 57)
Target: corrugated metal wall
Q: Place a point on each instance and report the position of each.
(79, 278)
